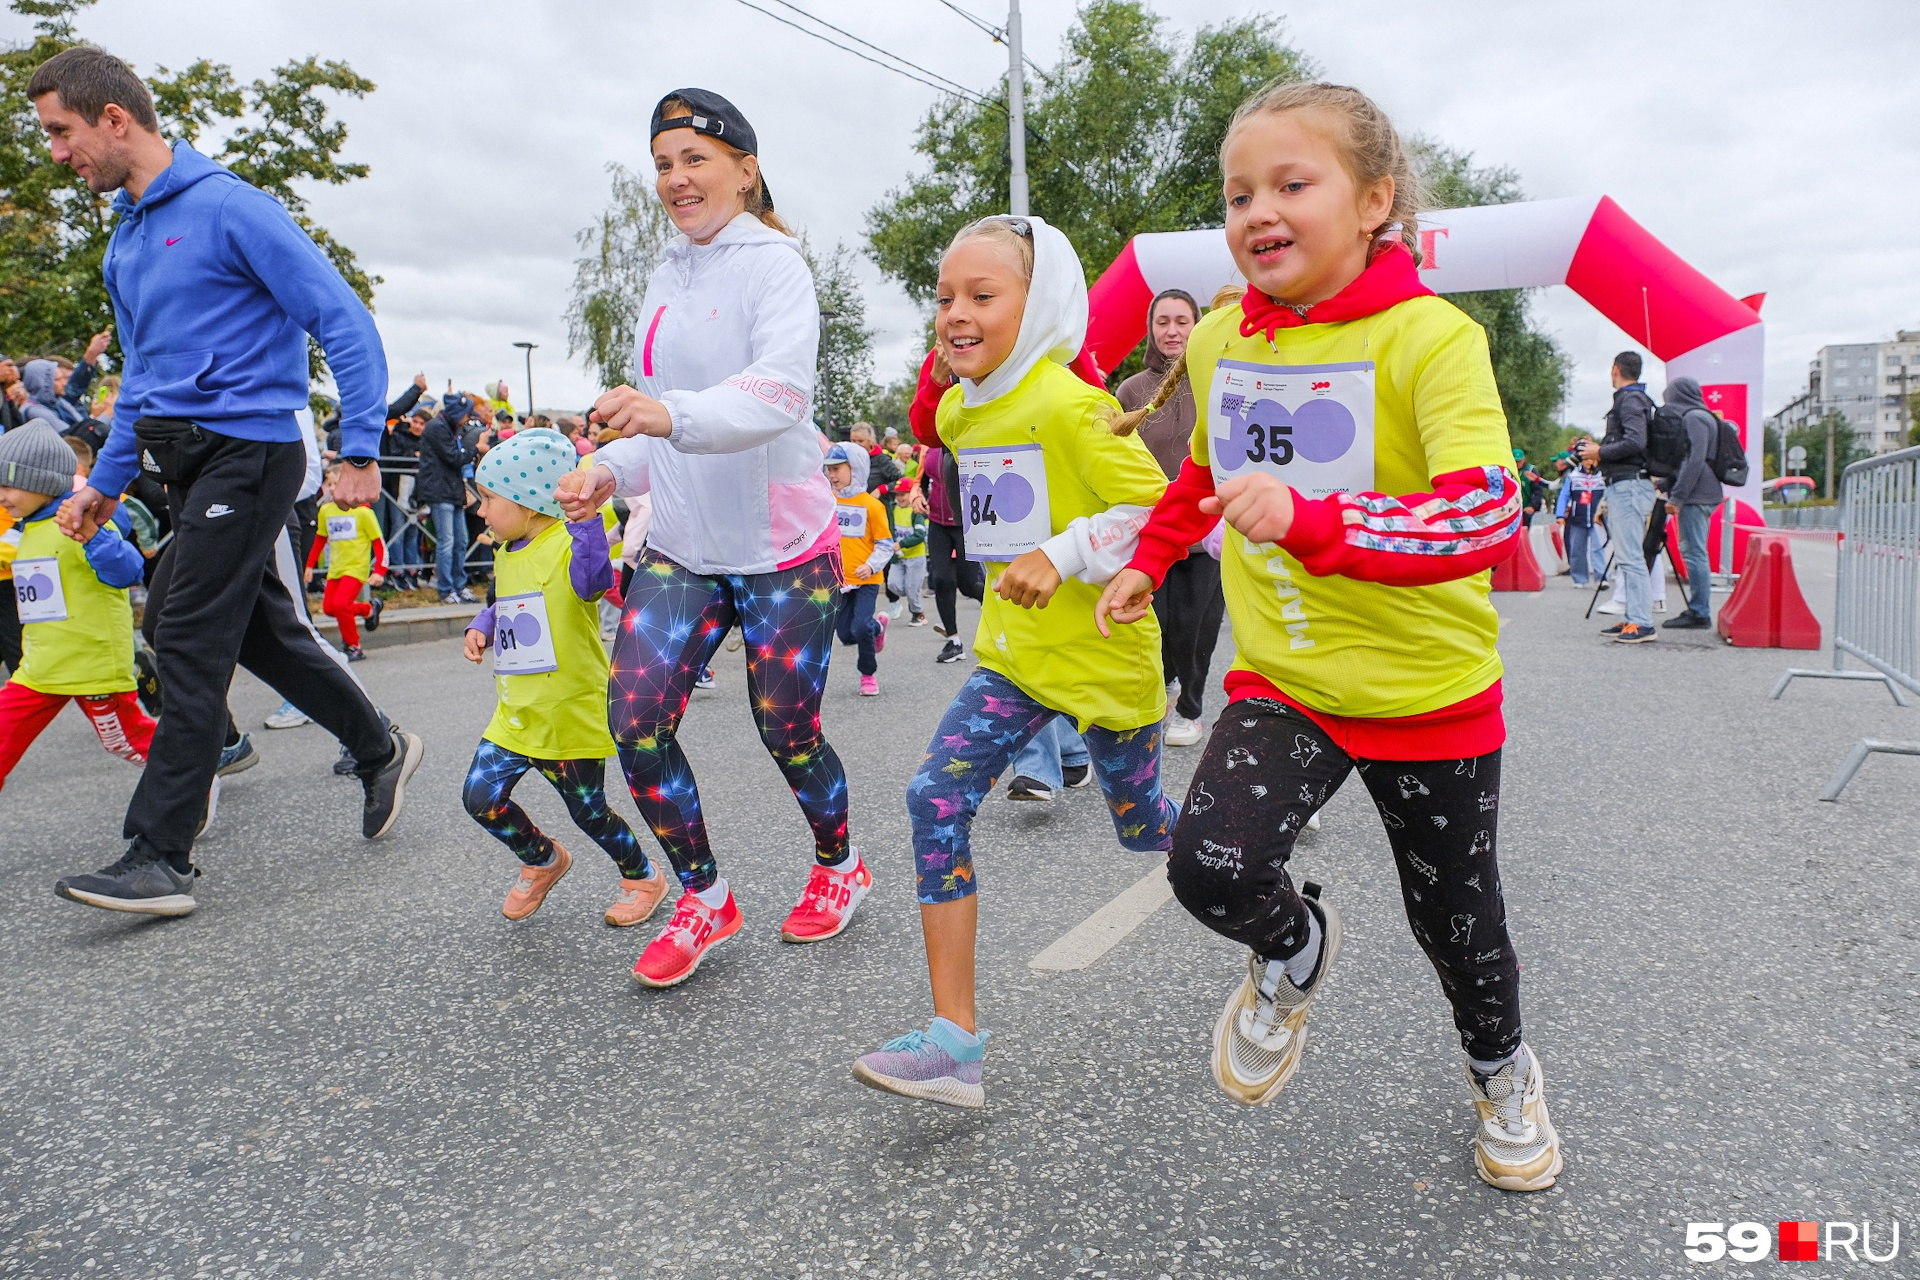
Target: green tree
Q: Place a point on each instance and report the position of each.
(1528, 365)
(1848, 448)
(622, 249)
(273, 132)
(1124, 135)
(844, 376)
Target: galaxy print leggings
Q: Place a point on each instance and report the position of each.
(990, 719)
(582, 784)
(1267, 769)
(673, 622)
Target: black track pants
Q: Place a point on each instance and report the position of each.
(952, 574)
(229, 593)
(1266, 769)
(1189, 605)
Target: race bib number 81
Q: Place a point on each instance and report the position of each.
(523, 636)
(1309, 425)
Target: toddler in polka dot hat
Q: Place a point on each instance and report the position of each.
(526, 468)
(550, 678)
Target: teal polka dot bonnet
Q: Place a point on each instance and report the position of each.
(526, 468)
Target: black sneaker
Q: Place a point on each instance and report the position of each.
(356, 654)
(952, 651)
(1615, 629)
(373, 619)
(344, 766)
(238, 758)
(1686, 622)
(1634, 633)
(1076, 775)
(1025, 788)
(146, 682)
(387, 785)
(139, 883)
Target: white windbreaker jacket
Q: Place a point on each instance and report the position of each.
(727, 339)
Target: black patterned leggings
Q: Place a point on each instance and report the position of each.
(1267, 768)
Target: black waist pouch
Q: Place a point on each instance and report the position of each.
(162, 443)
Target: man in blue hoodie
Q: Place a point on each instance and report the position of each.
(215, 291)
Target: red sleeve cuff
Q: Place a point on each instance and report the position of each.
(1177, 522)
(1316, 527)
(922, 412)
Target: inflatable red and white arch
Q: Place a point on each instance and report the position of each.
(1588, 244)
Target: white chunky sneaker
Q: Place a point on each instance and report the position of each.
(1516, 1147)
(1182, 732)
(1258, 1039)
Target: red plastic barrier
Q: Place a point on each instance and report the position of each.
(1746, 520)
(1767, 610)
(1520, 571)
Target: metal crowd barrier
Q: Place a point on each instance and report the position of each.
(407, 526)
(1876, 614)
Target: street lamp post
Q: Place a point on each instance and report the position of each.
(826, 382)
(528, 348)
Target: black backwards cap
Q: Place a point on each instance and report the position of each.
(712, 115)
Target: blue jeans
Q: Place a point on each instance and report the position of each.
(1583, 553)
(449, 548)
(1629, 507)
(403, 539)
(1694, 518)
(856, 624)
(1053, 747)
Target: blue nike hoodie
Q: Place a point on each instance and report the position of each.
(215, 288)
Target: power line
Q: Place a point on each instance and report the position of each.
(997, 34)
(957, 86)
(968, 95)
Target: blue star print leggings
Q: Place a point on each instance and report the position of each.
(581, 783)
(1265, 771)
(674, 621)
(984, 729)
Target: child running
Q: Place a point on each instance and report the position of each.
(907, 574)
(866, 544)
(1365, 634)
(75, 619)
(356, 554)
(1053, 502)
(550, 669)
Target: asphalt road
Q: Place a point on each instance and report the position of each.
(348, 1064)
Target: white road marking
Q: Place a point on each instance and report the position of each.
(1100, 932)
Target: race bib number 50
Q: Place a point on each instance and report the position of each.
(1003, 497)
(1309, 425)
(38, 590)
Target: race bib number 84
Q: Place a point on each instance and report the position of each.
(1003, 497)
(1309, 425)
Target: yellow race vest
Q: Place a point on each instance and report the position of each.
(91, 652)
(559, 714)
(1340, 645)
(1057, 655)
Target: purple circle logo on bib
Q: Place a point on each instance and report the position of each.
(1009, 497)
(39, 587)
(526, 631)
(1267, 431)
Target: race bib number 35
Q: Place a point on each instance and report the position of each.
(522, 636)
(1003, 497)
(37, 589)
(1309, 425)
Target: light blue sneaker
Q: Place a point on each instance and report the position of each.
(938, 1064)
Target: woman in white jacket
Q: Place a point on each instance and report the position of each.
(719, 432)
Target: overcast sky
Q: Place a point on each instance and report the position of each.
(1773, 145)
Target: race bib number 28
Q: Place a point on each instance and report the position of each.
(1309, 425)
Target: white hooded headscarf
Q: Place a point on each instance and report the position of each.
(1054, 326)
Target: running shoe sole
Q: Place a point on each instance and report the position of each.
(173, 904)
(241, 765)
(416, 751)
(1331, 935)
(855, 897)
(946, 1090)
(716, 940)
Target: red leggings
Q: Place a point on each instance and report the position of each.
(343, 604)
(124, 729)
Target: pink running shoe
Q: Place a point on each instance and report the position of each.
(696, 928)
(826, 908)
(880, 620)
(870, 686)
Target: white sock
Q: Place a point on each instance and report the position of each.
(1299, 968)
(714, 896)
(1487, 1069)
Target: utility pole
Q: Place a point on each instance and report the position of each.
(1830, 455)
(1016, 114)
(528, 348)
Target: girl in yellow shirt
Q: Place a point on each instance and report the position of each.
(1053, 502)
(1351, 435)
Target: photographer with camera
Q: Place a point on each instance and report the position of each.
(1622, 458)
